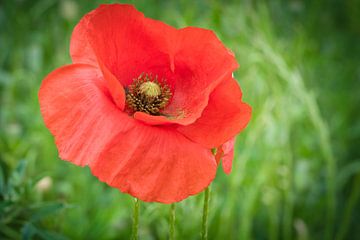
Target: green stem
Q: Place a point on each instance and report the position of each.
(172, 222)
(204, 228)
(349, 209)
(135, 225)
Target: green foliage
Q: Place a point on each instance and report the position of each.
(21, 216)
(296, 172)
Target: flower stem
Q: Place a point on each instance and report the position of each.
(135, 225)
(172, 222)
(204, 227)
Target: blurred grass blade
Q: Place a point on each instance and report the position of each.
(45, 210)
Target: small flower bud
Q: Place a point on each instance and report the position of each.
(44, 184)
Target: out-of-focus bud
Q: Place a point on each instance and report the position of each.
(44, 184)
(301, 229)
(68, 9)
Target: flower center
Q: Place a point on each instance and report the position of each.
(147, 94)
(150, 89)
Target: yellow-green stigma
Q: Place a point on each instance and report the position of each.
(150, 89)
(147, 94)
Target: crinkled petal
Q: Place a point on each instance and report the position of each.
(79, 112)
(192, 60)
(120, 38)
(114, 86)
(201, 62)
(155, 164)
(223, 118)
(228, 156)
(226, 153)
(80, 49)
(82, 52)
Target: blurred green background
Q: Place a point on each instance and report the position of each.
(296, 171)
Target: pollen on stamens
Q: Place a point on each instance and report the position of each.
(147, 94)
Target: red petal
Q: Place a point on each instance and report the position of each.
(77, 109)
(161, 120)
(201, 62)
(82, 52)
(114, 86)
(226, 153)
(224, 117)
(151, 119)
(228, 157)
(80, 48)
(155, 164)
(192, 60)
(121, 40)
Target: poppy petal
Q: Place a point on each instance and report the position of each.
(78, 110)
(114, 86)
(121, 40)
(224, 117)
(82, 52)
(201, 62)
(155, 164)
(226, 153)
(80, 49)
(161, 120)
(228, 156)
(192, 60)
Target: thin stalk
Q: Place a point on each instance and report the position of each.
(172, 222)
(204, 227)
(349, 209)
(135, 226)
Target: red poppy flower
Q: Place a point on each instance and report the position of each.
(144, 103)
